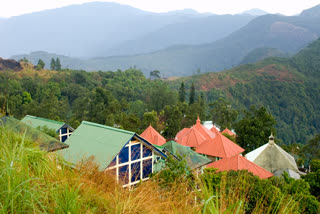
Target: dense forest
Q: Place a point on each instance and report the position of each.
(285, 87)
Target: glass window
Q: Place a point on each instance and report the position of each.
(147, 168)
(124, 155)
(64, 131)
(135, 151)
(146, 151)
(64, 138)
(124, 174)
(135, 171)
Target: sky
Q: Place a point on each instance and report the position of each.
(9, 8)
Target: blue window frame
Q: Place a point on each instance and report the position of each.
(135, 171)
(135, 151)
(146, 151)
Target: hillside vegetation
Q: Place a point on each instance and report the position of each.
(288, 88)
(38, 182)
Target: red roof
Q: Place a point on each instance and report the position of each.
(238, 162)
(194, 136)
(229, 132)
(220, 146)
(215, 130)
(151, 135)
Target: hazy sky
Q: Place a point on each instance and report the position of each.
(287, 7)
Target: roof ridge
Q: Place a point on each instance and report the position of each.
(107, 127)
(44, 119)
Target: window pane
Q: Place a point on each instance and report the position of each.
(64, 138)
(124, 155)
(146, 151)
(135, 171)
(135, 152)
(124, 174)
(64, 131)
(147, 168)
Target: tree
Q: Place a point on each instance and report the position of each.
(192, 94)
(223, 114)
(53, 64)
(150, 118)
(255, 128)
(182, 93)
(40, 64)
(155, 74)
(312, 148)
(58, 64)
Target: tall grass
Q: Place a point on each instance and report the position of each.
(33, 181)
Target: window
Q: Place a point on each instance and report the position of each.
(135, 152)
(124, 155)
(147, 168)
(146, 151)
(135, 171)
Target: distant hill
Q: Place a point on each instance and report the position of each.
(262, 53)
(312, 12)
(255, 12)
(97, 29)
(287, 87)
(192, 32)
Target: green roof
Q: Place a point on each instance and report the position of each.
(44, 141)
(35, 122)
(193, 159)
(91, 139)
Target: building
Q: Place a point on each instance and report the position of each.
(193, 137)
(152, 136)
(273, 158)
(124, 154)
(194, 161)
(61, 128)
(45, 142)
(229, 132)
(219, 147)
(238, 162)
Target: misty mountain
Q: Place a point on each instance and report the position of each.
(192, 32)
(255, 12)
(101, 28)
(312, 12)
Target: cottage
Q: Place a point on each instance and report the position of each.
(193, 137)
(219, 147)
(238, 162)
(152, 136)
(44, 141)
(273, 158)
(124, 154)
(61, 128)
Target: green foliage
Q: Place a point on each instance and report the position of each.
(182, 93)
(192, 94)
(312, 148)
(50, 132)
(58, 64)
(255, 128)
(313, 179)
(222, 113)
(40, 65)
(315, 165)
(230, 137)
(155, 74)
(53, 64)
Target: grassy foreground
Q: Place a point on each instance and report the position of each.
(33, 181)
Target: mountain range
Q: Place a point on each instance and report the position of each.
(177, 43)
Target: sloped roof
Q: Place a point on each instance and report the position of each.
(238, 162)
(194, 136)
(151, 135)
(102, 142)
(38, 121)
(291, 173)
(193, 159)
(229, 132)
(272, 157)
(44, 141)
(220, 146)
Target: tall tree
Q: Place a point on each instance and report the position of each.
(223, 114)
(182, 93)
(58, 64)
(192, 94)
(53, 64)
(255, 128)
(40, 64)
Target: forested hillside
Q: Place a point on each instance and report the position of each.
(287, 87)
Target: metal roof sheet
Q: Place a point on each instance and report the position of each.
(38, 121)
